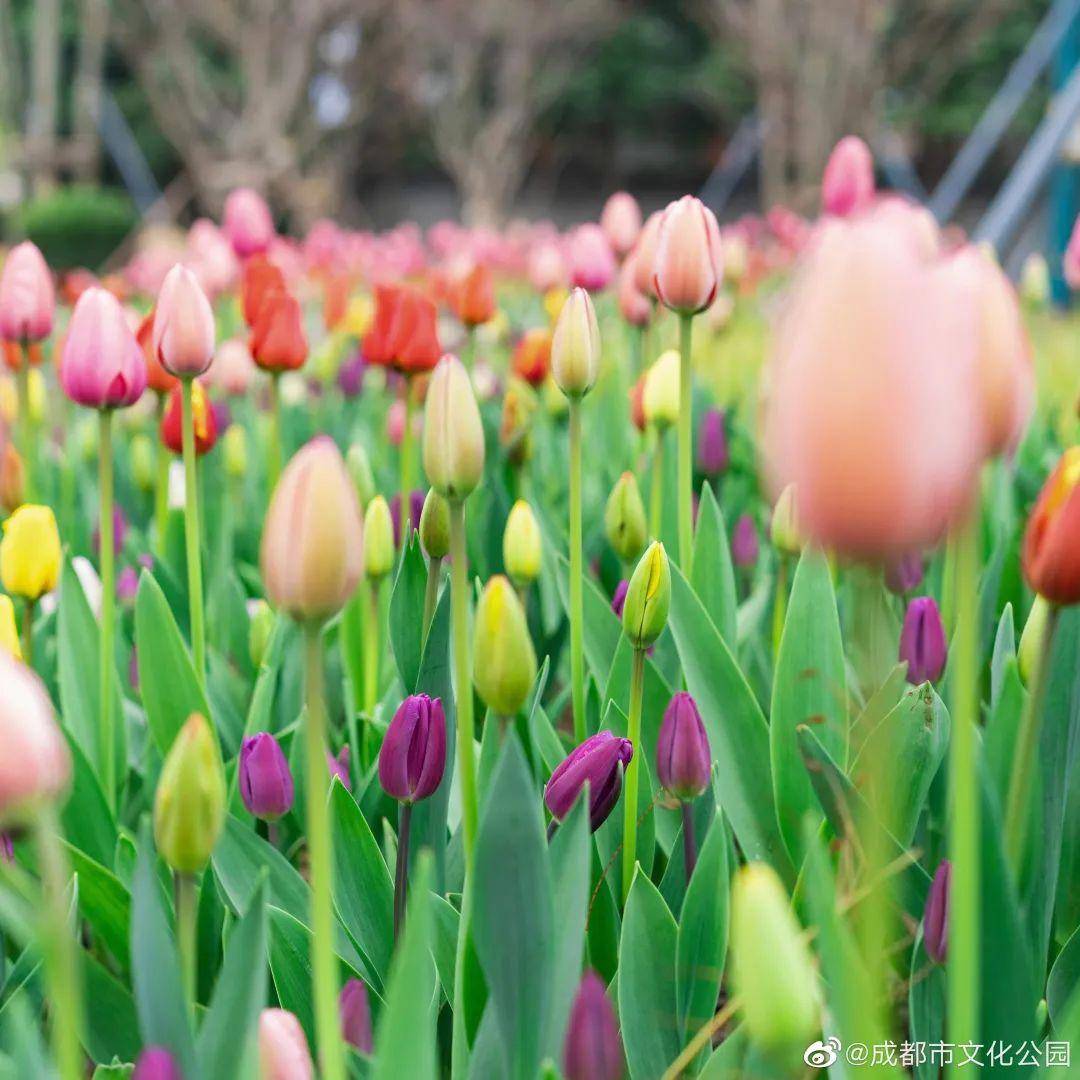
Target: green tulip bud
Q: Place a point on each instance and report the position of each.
(784, 528)
(772, 970)
(356, 461)
(660, 398)
(575, 345)
(453, 433)
(234, 442)
(624, 518)
(504, 661)
(1029, 655)
(521, 545)
(142, 462)
(378, 539)
(260, 627)
(648, 597)
(189, 805)
(435, 526)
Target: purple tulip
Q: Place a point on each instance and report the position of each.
(619, 598)
(266, 784)
(339, 766)
(7, 848)
(120, 531)
(416, 508)
(354, 1010)
(936, 914)
(413, 754)
(905, 574)
(156, 1063)
(593, 1049)
(350, 376)
(712, 448)
(600, 761)
(127, 584)
(222, 414)
(744, 542)
(922, 641)
(683, 758)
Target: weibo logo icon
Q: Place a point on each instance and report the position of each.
(820, 1055)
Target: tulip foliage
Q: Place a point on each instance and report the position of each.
(372, 703)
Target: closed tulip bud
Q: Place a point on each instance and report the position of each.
(592, 262)
(354, 1009)
(1029, 654)
(378, 539)
(634, 306)
(922, 641)
(234, 443)
(412, 758)
(260, 627)
(30, 552)
(648, 597)
(683, 758)
(905, 573)
(772, 970)
(35, 766)
(593, 1049)
(599, 762)
(744, 542)
(283, 1047)
(339, 767)
(575, 346)
(102, 365)
(453, 433)
(712, 447)
(142, 462)
(312, 544)
(1051, 550)
(522, 545)
(260, 278)
(644, 254)
(278, 342)
(621, 221)
(936, 914)
(183, 335)
(435, 526)
(687, 267)
(660, 396)
(9, 632)
(266, 784)
(359, 465)
(190, 802)
(247, 223)
(847, 184)
(624, 519)
(473, 296)
(156, 1063)
(12, 479)
(784, 527)
(504, 661)
(27, 297)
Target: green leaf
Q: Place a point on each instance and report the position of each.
(809, 688)
(713, 576)
(406, 608)
(513, 911)
(170, 691)
(112, 1026)
(104, 903)
(648, 1004)
(88, 822)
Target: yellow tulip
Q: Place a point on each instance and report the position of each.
(9, 632)
(30, 552)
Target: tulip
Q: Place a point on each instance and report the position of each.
(277, 340)
(847, 185)
(1050, 552)
(522, 545)
(683, 758)
(1028, 655)
(260, 278)
(404, 334)
(922, 641)
(624, 519)
(905, 573)
(350, 376)
(183, 335)
(416, 510)
(453, 434)
(599, 762)
(593, 1049)
(204, 423)
(660, 398)
(156, 1063)
(744, 542)
(575, 346)
(283, 1047)
(532, 356)
(784, 525)
(355, 1012)
(9, 634)
(687, 267)
(233, 368)
(936, 914)
(712, 447)
(644, 254)
(266, 783)
(435, 526)
(473, 297)
(247, 222)
(260, 627)
(338, 767)
(648, 597)
(30, 553)
(7, 848)
(378, 539)
(592, 263)
(504, 661)
(27, 298)
(102, 365)
(359, 466)
(772, 970)
(621, 222)
(12, 479)
(618, 599)
(634, 306)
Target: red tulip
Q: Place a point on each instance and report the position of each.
(206, 432)
(277, 339)
(260, 277)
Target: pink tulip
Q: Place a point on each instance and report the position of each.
(233, 368)
(102, 365)
(283, 1047)
(183, 325)
(1070, 263)
(688, 268)
(870, 411)
(592, 264)
(635, 306)
(644, 254)
(621, 222)
(547, 267)
(847, 185)
(35, 766)
(247, 222)
(27, 298)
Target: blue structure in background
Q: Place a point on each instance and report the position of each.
(1065, 180)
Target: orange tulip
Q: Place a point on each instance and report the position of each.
(157, 378)
(277, 338)
(473, 296)
(1051, 553)
(532, 357)
(260, 277)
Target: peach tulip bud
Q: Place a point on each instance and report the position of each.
(102, 365)
(634, 306)
(35, 766)
(453, 433)
(247, 222)
(870, 410)
(312, 544)
(687, 269)
(644, 254)
(27, 297)
(847, 185)
(233, 368)
(592, 264)
(621, 222)
(283, 1047)
(575, 346)
(183, 325)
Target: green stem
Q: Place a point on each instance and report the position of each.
(630, 794)
(401, 874)
(106, 659)
(689, 840)
(273, 452)
(28, 634)
(577, 648)
(161, 484)
(431, 594)
(191, 533)
(686, 425)
(1017, 808)
(371, 665)
(186, 914)
(320, 844)
(67, 469)
(962, 974)
(779, 604)
(26, 423)
(459, 595)
(406, 463)
(61, 958)
(656, 487)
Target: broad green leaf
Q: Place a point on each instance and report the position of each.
(112, 1027)
(406, 608)
(1004, 650)
(87, 820)
(713, 576)
(926, 1005)
(104, 903)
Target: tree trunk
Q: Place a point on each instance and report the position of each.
(44, 99)
(93, 22)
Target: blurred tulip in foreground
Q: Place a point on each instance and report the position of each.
(847, 185)
(683, 758)
(621, 221)
(30, 553)
(504, 660)
(648, 597)
(247, 223)
(266, 783)
(922, 641)
(593, 1049)
(1051, 549)
(575, 346)
(183, 335)
(355, 1011)
(688, 265)
(283, 1047)
(27, 297)
(936, 914)
(102, 365)
(522, 545)
(453, 434)
(412, 758)
(598, 761)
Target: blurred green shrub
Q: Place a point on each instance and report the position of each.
(80, 225)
